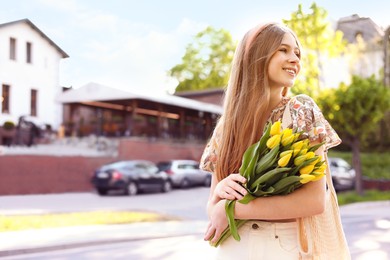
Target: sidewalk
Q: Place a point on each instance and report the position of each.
(43, 240)
(38, 240)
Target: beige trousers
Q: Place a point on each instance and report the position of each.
(262, 240)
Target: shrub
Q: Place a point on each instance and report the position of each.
(8, 125)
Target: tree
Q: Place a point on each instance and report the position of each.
(206, 62)
(354, 112)
(319, 41)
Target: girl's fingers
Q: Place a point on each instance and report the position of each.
(216, 236)
(237, 177)
(233, 194)
(209, 232)
(237, 187)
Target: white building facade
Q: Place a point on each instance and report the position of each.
(29, 74)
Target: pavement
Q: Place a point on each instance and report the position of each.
(190, 232)
(50, 239)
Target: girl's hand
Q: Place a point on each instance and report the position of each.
(230, 188)
(218, 222)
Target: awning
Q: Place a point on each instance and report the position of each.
(97, 92)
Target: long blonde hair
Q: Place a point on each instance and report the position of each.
(247, 96)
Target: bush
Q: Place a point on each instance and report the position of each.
(369, 195)
(8, 125)
(374, 165)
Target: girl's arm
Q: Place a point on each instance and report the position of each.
(306, 201)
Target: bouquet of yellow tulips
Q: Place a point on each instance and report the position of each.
(279, 163)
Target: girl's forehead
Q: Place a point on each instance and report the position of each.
(289, 39)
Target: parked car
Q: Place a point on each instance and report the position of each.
(131, 177)
(343, 175)
(185, 173)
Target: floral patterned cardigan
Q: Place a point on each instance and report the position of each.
(306, 116)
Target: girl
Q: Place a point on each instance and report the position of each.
(265, 66)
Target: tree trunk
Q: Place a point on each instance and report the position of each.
(357, 165)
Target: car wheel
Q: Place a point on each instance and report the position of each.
(207, 181)
(185, 183)
(167, 186)
(132, 188)
(102, 192)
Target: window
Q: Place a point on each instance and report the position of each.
(29, 52)
(12, 48)
(5, 99)
(34, 94)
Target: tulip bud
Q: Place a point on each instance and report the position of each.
(307, 169)
(273, 141)
(296, 152)
(317, 177)
(322, 168)
(275, 128)
(299, 160)
(303, 151)
(282, 154)
(316, 161)
(284, 160)
(310, 155)
(297, 145)
(287, 140)
(305, 178)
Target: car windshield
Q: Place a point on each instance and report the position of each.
(162, 166)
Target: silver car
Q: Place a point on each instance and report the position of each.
(343, 175)
(185, 173)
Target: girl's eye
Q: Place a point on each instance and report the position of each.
(283, 50)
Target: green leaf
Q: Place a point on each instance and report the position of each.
(229, 208)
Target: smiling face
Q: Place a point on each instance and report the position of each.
(284, 65)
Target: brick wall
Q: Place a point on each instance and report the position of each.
(35, 174)
(159, 150)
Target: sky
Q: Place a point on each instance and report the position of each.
(132, 44)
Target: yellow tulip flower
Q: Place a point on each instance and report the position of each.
(305, 178)
(307, 169)
(297, 145)
(273, 141)
(282, 154)
(310, 155)
(275, 128)
(287, 138)
(299, 160)
(317, 177)
(284, 160)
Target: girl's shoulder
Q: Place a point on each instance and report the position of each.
(302, 99)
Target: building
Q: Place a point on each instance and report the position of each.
(364, 55)
(105, 111)
(29, 74)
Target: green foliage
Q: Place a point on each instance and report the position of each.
(206, 62)
(374, 165)
(319, 41)
(355, 110)
(8, 125)
(370, 195)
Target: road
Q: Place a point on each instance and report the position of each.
(184, 203)
(367, 226)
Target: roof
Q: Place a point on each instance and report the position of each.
(28, 22)
(204, 92)
(353, 25)
(97, 92)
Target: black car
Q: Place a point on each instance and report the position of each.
(131, 177)
(343, 175)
